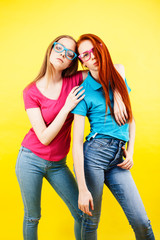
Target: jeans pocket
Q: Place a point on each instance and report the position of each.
(26, 150)
(116, 161)
(100, 143)
(18, 159)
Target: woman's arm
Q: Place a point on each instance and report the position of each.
(47, 134)
(132, 130)
(128, 153)
(85, 197)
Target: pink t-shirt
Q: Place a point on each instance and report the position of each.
(33, 98)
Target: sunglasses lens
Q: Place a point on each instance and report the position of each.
(58, 48)
(70, 54)
(85, 56)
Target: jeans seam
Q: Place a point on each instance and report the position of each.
(119, 150)
(18, 169)
(83, 230)
(89, 143)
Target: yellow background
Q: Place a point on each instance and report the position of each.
(131, 30)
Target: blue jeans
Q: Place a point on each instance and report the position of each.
(30, 170)
(100, 159)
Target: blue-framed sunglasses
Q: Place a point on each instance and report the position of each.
(58, 47)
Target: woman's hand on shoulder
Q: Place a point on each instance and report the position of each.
(74, 97)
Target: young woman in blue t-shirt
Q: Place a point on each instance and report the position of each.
(101, 160)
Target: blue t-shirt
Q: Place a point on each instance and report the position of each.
(94, 107)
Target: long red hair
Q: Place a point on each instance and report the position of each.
(107, 73)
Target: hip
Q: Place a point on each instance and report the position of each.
(103, 152)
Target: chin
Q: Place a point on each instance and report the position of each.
(95, 68)
(57, 64)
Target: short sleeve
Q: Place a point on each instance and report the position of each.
(128, 88)
(30, 100)
(81, 108)
(78, 78)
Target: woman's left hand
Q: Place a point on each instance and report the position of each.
(128, 162)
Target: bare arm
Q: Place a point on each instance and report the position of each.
(85, 197)
(47, 134)
(128, 153)
(132, 129)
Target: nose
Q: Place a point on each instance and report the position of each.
(63, 54)
(92, 55)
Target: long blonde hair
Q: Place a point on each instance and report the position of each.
(47, 67)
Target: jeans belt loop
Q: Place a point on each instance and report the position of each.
(94, 135)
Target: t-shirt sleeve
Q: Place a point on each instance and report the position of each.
(128, 88)
(81, 108)
(30, 100)
(79, 78)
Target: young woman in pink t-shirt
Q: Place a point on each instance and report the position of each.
(48, 101)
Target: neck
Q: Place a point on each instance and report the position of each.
(95, 75)
(55, 78)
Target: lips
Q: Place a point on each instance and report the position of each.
(96, 63)
(60, 59)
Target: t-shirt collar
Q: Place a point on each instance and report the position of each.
(94, 84)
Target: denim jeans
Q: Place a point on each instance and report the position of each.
(30, 170)
(100, 159)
